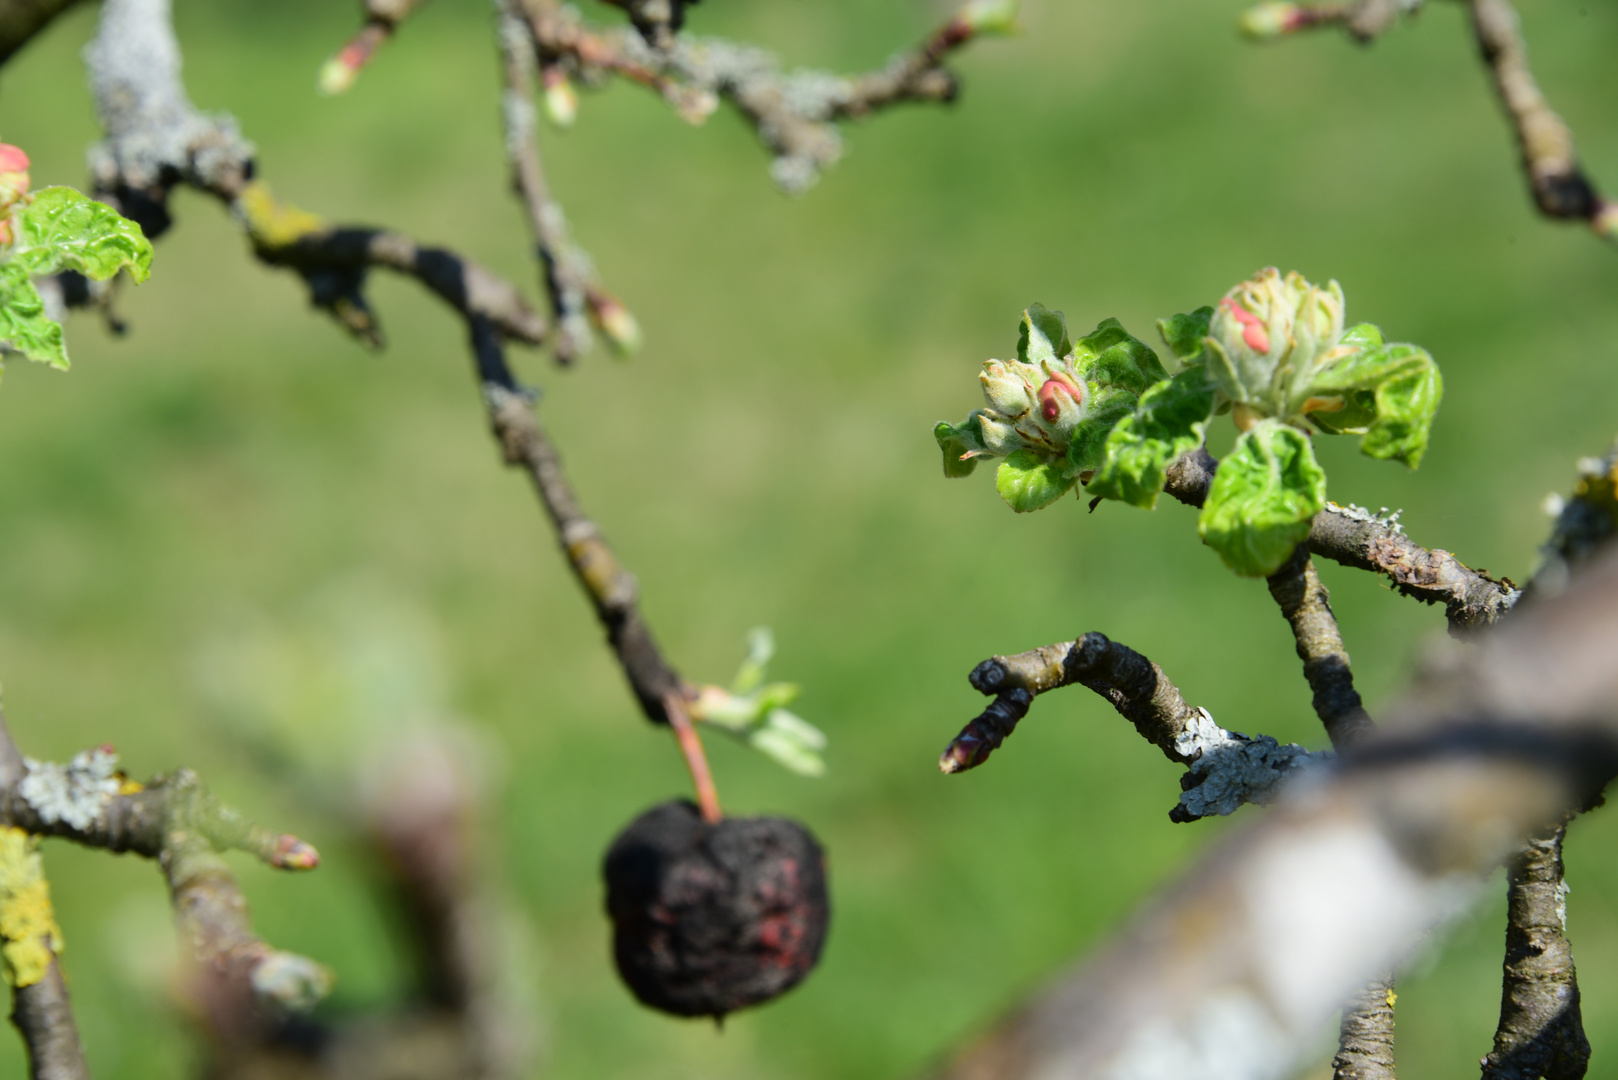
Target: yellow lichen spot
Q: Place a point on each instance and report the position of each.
(1600, 490)
(29, 936)
(126, 786)
(273, 224)
(1392, 997)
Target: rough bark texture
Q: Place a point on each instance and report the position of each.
(1471, 599)
(1365, 1039)
(1541, 1032)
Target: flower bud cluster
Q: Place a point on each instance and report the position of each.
(1034, 402)
(1268, 339)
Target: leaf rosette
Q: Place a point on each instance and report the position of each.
(1275, 354)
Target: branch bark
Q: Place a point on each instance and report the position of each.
(1472, 600)
(1307, 607)
(1541, 1032)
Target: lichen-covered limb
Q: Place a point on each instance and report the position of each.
(177, 822)
(1225, 769)
(1232, 969)
(1586, 521)
(1365, 1036)
(1541, 1032)
(611, 588)
(155, 139)
(1306, 605)
(794, 113)
(1350, 536)
(576, 297)
(1559, 186)
(40, 1009)
(20, 20)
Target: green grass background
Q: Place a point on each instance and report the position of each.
(767, 459)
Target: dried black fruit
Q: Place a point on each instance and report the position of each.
(708, 919)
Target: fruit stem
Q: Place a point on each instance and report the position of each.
(695, 759)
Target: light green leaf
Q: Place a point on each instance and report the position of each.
(1184, 334)
(1028, 483)
(956, 441)
(1087, 445)
(791, 742)
(1266, 492)
(60, 229)
(1390, 392)
(1170, 420)
(1042, 335)
(24, 326)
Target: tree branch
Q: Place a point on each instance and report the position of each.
(1365, 1036)
(178, 823)
(1232, 969)
(1363, 19)
(1353, 537)
(1541, 1032)
(1306, 605)
(1225, 769)
(20, 20)
(41, 1009)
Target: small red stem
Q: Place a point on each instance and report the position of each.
(695, 759)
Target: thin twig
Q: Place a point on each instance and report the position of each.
(1559, 187)
(382, 19)
(1541, 1031)
(574, 294)
(20, 20)
(1225, 769)
(612, 589)
(793, 114)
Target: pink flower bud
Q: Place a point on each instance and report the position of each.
(1253, 331)
(1050, 404)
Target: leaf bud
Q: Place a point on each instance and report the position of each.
(990, 16)
(1265, 22)
(561, 101)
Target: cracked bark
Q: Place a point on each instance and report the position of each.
(1541, 1031)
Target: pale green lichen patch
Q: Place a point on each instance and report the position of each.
(29, 936)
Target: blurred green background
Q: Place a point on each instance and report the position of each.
(768, 459)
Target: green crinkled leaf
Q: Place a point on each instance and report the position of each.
(1028, 483)
(24, 326)
(1169, 421)
(60, 229)
(1363, 336)
(1042, 335)
(1266, 492)
(1109, 356)
(1391, 394)
(1184, 334)
(955, 441)
(1087, 444)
